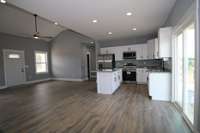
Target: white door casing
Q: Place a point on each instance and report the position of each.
(14, 67)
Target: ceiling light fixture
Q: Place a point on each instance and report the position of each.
(109, 33)
(128, 13)
(36, 37)
(94, 21)
(3, 1)
(56, 23)
(134, 29)
(92, 42)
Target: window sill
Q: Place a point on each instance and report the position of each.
(42, 73)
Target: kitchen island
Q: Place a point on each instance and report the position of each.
(108, 81)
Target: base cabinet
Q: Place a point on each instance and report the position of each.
(160, 86)
(142, 75)
(108, 81)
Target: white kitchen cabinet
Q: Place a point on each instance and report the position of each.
(138, 75)
(160, 47)
(160, 86)
(144, 51)
(152, 49)
(156, 48)
(141, 52)
(142, 75)
(164, 39)
(118, 53)
(113, 50)
(150, 52)
(140, 49)
(108, 81)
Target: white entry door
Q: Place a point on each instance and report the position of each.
(14, 67)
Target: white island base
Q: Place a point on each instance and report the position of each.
(108, 81)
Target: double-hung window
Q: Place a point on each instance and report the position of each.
(41, 62)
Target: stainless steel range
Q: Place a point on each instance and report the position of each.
(129, 73)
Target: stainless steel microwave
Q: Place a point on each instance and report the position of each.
(129, 55)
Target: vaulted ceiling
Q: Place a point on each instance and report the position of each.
(147, 16)
(21, 23)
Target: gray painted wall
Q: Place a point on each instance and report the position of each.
(29, 46)
(178, 11)
(67, 55)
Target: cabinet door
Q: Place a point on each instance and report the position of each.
(150, 49)
(139, 52)
(142, 75)
(118, 53)
(156, 48)
(153, 49)
(145, 75)
(165, 42)
(139, 75)
(103, 50)
(144, 51)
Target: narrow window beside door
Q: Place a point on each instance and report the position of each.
(41, 62)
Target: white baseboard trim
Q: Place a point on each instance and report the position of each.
(37, 81)
(42, 80)
(27, 82)
(2, 87)
(68, 79)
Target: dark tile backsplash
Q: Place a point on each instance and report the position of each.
(151, 64)
(168, 64)
(154, 64)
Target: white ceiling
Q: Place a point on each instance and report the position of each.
(17, 22)
(148, 15)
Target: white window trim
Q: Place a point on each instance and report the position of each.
(46, 62)
(197, 84)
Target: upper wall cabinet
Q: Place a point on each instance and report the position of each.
(152, 49)
(141, 52)
(112, 50)
(160, 47)
(164, 40)
(140, 49)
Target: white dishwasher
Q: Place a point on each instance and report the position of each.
(159, 85)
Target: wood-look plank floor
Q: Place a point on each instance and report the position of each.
(75, 107)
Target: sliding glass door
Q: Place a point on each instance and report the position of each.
(189, 69)
(185, 68)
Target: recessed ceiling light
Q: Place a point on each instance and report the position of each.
(128, 13)
(134, 29)
(109, 33)
(56, 23)
(95, 21)
(3, 1)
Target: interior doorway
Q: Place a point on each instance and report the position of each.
(14, 67)
(88, 66)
